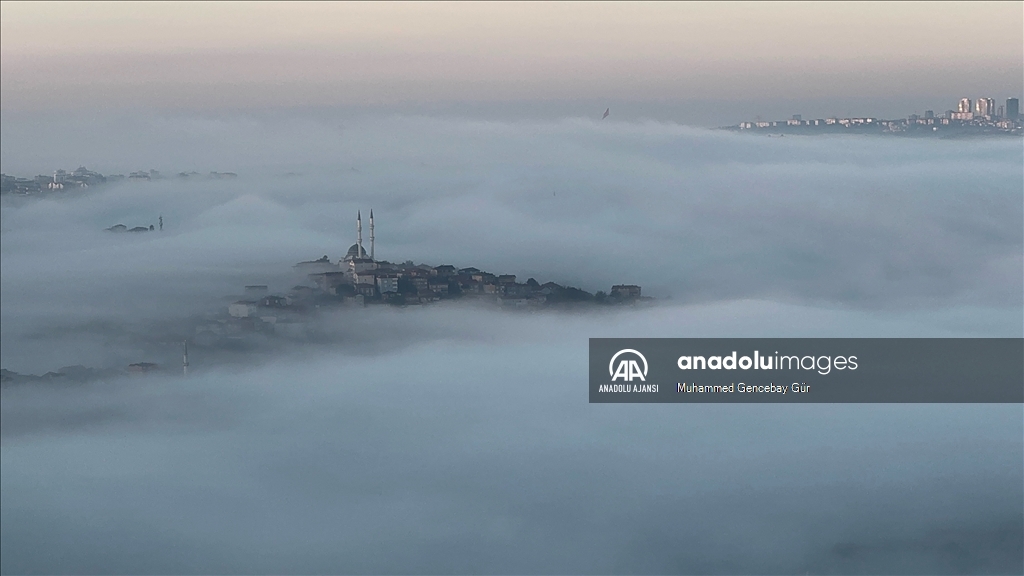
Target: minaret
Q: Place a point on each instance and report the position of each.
(371, 233)
(184, 358)
(359, 235)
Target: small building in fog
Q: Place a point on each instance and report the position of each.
(625, 291)
(243, 308)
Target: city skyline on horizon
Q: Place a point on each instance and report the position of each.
(698, 63)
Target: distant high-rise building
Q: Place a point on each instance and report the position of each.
(929, 114)
(985, 107)
(1001, 112)
(1012, 108)
(964, 106)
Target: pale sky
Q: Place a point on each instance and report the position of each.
(270, 55)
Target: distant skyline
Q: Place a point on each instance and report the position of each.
(693, 61)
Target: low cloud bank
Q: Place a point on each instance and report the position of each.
(885, 224)
(458, 439)
(485, 457)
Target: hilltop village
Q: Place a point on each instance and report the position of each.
(254, 322)
(359, 279)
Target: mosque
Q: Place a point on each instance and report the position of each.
(356, 259)
(360, 275)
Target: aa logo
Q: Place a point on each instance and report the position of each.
(627, 367)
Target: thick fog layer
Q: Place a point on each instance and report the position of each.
(485, 458)
(854, 223)
(457, 438)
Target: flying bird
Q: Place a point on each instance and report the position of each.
(606, 111)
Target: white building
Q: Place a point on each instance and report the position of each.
(242, 309)
(366, 277)
(387, 283)
(985, 107)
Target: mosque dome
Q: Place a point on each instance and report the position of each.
(355, 251)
